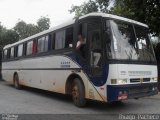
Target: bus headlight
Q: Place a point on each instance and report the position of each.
(113, 81)
(123, 81)
(118, 81)
(155, 79)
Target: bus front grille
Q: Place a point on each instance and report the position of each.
(135, 80)
(146, 79)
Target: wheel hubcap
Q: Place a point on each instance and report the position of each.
(75, 93)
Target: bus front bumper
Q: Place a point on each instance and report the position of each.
(129, 91)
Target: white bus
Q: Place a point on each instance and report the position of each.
(116, 61)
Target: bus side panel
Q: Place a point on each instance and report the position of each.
(49, 73)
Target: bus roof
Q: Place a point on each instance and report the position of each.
(114, 17)
(72, 21)
(41, 33)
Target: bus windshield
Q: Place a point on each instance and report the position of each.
(129, 43)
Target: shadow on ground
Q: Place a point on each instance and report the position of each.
(68, 99)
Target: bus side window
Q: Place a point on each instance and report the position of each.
(29, 48)
(60, 39)
(20, 50)
(34, 47)
(5, 54)
(46, 41)
(40, 46)
(82, 36)
(69, 38)
(12, 52)
(43, 44)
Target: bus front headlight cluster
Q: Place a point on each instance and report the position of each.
(155, 79)
(118, 81)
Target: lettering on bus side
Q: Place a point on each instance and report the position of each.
(65, 64)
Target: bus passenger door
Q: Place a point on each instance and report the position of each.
(95, 49)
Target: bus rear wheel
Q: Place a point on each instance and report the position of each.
(78, 93)
(16, 82)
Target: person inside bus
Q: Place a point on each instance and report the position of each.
(80, 47)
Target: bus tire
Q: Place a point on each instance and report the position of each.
(78, 93)
(16, 82)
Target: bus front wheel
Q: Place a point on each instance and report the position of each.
(78, 93)
(16, 82)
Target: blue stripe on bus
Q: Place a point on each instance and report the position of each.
(100, 81)
(97, 81)
(144, 89)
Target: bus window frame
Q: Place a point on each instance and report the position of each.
(52, 51)
(62, 50)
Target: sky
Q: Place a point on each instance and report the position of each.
(11, 11)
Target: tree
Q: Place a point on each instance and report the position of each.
(10, 37)
(145, 11)
(153, 15)
(43, 23)
(7, 36)
(2, 33)
(25, 30)
(22, 30)
(90, 6)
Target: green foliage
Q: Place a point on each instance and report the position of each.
(22, 30)
(43, 23)
(153, 15)
(10, 37)
(25, 30)
(90, 6)
(121, 8)
(7, 36)
(145, 11)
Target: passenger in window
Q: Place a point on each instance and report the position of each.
(81, 44)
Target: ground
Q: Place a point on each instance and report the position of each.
(34, 101)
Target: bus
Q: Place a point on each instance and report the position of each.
(116, 61)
